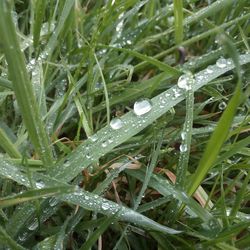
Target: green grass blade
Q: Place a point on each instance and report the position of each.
(6, 240)
(215, 143)
(98, 232)
(8, 146)
(39, 11)
(178, 21)
(150, 60)
(22, 86)
(33, 195)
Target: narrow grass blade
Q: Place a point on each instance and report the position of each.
(178, 21)
(34, 194)
(98, 232)
(186, 135)
(150, 60)
(22, 86)
(8, 146)
(6, 240)
(39, 10)
(5, 83)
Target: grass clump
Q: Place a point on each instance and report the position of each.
(124, 124)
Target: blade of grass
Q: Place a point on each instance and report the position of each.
(6, 240)
(34, 194)
(8, 146)
(22, 86)
(99, 231)
(178, 21)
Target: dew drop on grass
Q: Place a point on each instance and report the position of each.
(53, 201)
(209, 69)
(40, 184)
(183, 148)
(222, 105)
(93, 138)
(221, 63)
(183, 135)
(33, 225)
(105, 206)
(142, 107)
(185, 81)
(104, 144)
(116, 123)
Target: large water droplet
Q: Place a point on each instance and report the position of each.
(183, 148)
(221, 63)
(142, 107)
(184, 81)
(116, 123)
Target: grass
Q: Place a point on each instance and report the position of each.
(176, 176)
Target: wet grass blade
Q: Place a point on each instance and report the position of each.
(6, 240)
(22, 86)
(8, 146)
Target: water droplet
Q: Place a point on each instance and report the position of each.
(167, 95)
(53, 201)
(176, 93)
(40, 184)
(222, 105)
(183, 148)
(66, 163)
(104, 144)
(116, 123)
(105, 206)
(33, 225)
(221, 63)
(209, 69)
(183, 82)
(93, 138)
(183, 135)
(220, 87)
(142, 107)
(88, 156)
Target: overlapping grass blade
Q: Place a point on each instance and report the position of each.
(22, 86)
(81, 198)
(69, 167)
